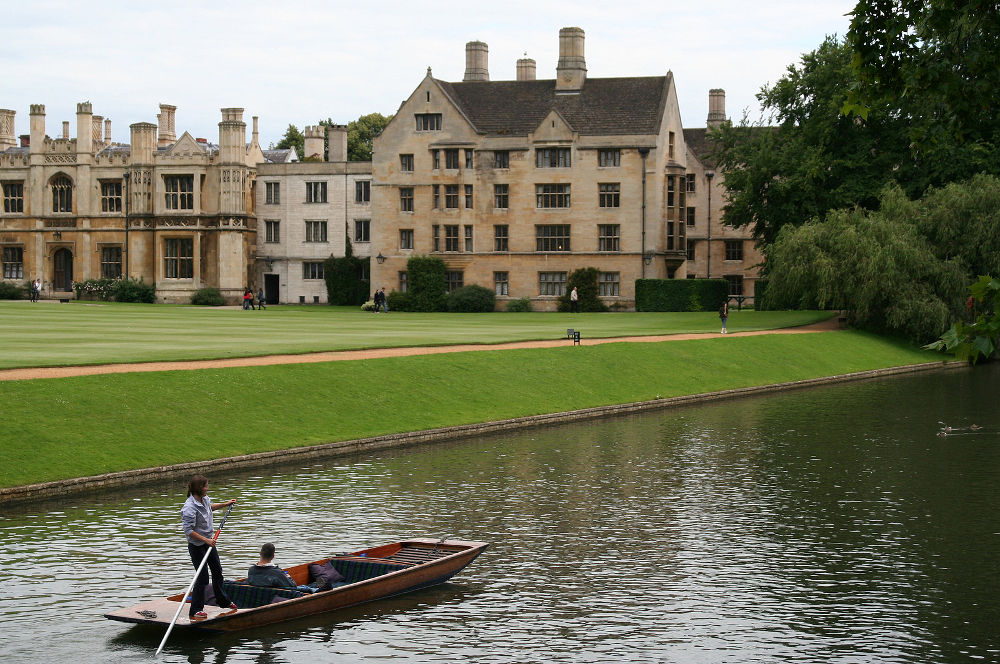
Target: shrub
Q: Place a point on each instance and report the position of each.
(208, 297)
(347, 282)
(9, 291)
(427, 283)
(398, 301)
(520, 305)
(471, 299)
(101, 289)
(585, 281)
(368, 306)
(677, 294)
(131, 290)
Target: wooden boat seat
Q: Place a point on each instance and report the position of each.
(247, 596)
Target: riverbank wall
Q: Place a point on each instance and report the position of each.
(96, 483)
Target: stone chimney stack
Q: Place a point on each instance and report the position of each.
(571, 72)
(84, 127)
(256, 135)
(476, 56)
(165, 120)
(97, 137)
(65, 134)
(143, 142)
(232, 136)
(525, 69)
(37, 116)
(338, 143)
(314, 148)
(716, 107)
(107, 131)
(7, 129)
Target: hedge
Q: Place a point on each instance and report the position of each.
(680, 294)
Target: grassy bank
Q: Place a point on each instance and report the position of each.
(71, 427)
(53, 334)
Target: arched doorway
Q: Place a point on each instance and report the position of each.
(62, 270)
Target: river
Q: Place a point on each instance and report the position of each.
(833, 524)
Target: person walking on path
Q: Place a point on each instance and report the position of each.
(196, 518)
(260, 299)
(574, 301)
(383, 300)
(36, 289)
(724, 314)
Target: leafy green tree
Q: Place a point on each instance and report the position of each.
(814, 159)
(293, 138)
(361, 133)
(585, 282)
(427, 283)
(942, 56)
(874, 264)
(347, 282)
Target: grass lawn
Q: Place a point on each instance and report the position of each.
(77, 333)
(72, 427)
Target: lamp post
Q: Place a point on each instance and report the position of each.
(708, 176)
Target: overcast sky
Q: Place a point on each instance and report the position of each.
(292, 61)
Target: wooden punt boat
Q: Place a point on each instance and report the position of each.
(370, 574)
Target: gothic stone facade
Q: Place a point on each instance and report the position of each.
(176, 213)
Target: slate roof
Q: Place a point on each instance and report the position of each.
(279, 156)
(605, 106)
(697, 141)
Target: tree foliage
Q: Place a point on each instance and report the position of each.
(347, 282)
(361, 133)
(979, 338)
(938, 58)
(814, 159)
(876, 265)
(293, 138)
(585, 281)
(427, 283)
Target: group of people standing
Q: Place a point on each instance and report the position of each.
(36, 290)
(380, 301)
(248, 299)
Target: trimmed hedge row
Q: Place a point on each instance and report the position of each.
(680, 294)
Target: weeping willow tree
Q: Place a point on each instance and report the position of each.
(876, 267)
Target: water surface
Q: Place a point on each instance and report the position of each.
(825, 525)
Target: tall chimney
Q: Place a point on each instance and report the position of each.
(256, 135)
(716, 107)
(7, 129)
(232, 136)
(165, 120)
(338, 143)
(37, 116)
(476, 54)
(571, 72)
(525, 69)
(65, 130)
(314, 143)
(98, 125)
(84, 127)
(107, 131)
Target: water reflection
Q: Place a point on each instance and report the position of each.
(824, 525)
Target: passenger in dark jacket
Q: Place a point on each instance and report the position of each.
(266, 573)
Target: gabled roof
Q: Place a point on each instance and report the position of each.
(280, 156)
(605, 106)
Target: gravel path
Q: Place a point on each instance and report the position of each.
(372, 353)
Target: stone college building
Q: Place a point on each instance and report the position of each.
(515, 184)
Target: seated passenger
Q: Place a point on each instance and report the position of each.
(266, 573)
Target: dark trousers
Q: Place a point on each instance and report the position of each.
(198, 592)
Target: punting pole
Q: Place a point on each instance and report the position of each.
(195, 578)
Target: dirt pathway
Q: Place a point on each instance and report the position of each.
(372, 353)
